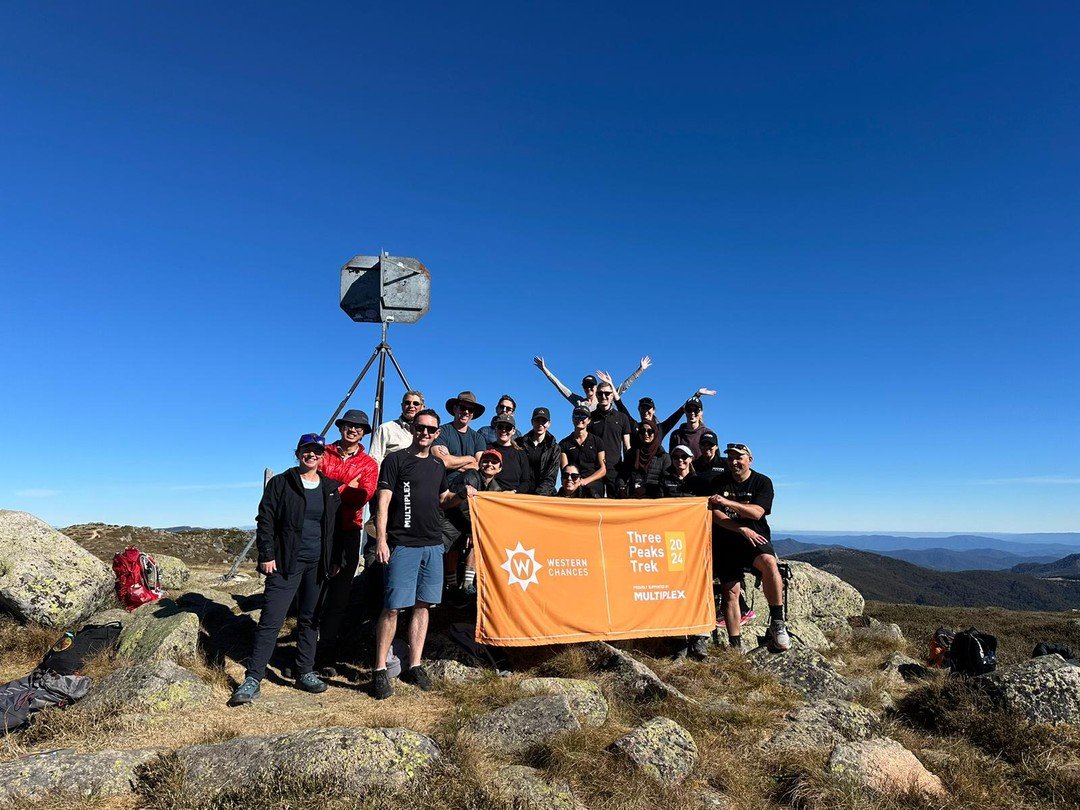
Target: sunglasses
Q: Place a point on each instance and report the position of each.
(490, 462)
(693, 410)
(426, 428)
(680, 457)
(648, 432)
(605, 394)
(505, 409)
(742, 448)
(314, 451)
(571, 476)
(410, 403)
(504, 428)
(469, 409)
(351, 426)
(580, 418)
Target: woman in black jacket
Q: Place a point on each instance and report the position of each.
(294, 534)
(640, 472)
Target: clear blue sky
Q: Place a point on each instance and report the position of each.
(858, 221)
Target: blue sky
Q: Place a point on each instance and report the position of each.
(858, 221)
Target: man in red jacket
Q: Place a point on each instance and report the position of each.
(345, 460)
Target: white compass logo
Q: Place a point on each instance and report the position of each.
(522, 566)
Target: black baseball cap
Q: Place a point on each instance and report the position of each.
(646, 402)
(708, 437)
(541, 413)
(582, 412)
(588, 379)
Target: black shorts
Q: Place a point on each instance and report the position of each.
(733, 553)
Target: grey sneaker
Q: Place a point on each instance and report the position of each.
(699, 648)
(245, 692)
(310, 682)
(779, 640)
(418, 677)
(380, 685)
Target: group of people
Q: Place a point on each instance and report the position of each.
(419, 475)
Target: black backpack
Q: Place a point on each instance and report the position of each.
(70, 654)
(973, 653)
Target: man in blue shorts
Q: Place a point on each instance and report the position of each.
(411, 493)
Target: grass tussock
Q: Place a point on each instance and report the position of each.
(24, 646)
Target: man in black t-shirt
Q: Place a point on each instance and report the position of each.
(612, 428)
(411, 493)
(741, 539)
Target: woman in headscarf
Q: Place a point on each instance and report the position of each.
(641, 470)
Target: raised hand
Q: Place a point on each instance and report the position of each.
(646, 361)
(706, 392)
(539, 361)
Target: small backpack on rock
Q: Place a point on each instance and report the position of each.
(138, 578)
(973, 653)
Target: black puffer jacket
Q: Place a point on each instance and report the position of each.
(281, 521)
(672, 487)
(546, 470)
(642, 483)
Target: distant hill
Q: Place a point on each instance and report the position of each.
(940, 559)
(889, 580)
(205, 546)
(1065, 568)
(1051, 545)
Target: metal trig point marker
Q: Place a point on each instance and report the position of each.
(381, 289)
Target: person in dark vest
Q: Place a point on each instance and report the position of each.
(295, 538)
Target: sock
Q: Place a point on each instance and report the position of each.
(380, 669)
(734, 641)
(776, 613)
(470, 577)
(451, 579)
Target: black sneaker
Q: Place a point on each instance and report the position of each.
(380, 685)
(418, 677)
(699, 648)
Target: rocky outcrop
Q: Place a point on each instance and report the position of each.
(158, 631)
(659, 748)
(905, 668)
(351, 760)
(804, 670)
(516, 728)
(1042, 690)
(174, 571)
(39, 777)
(45, 577)
(821, 598)
(883, 766)
(634, 681)
(870, 629)
(151, 688)
(586, 700)
(448, 671)
(822, 724)
(521, 786)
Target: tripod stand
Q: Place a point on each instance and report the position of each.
(381, 352)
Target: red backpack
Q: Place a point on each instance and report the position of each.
(138, 578)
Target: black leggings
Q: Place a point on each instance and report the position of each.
(278, 594)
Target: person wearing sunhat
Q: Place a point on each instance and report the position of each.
(345, 460)
(458, 447)
(543, 453)
(295, 539)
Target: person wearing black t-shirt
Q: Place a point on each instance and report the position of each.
(583, 450)
(515, 473)
(412, 491)
(612, 428)
(740, 508)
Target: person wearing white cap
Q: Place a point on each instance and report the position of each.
(677, 481)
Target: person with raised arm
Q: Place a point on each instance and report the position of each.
(646, 407)
(588, 383)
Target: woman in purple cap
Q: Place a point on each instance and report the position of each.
(295, 537)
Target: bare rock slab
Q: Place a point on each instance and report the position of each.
(525, 723)
(521, 786)
(150, 688)
(804, 670)
(823, 724)
(636, 682)
(587, 702)
(661, 749)
(45, 577)
(97, 775)
(158, 631)
(883, 766)
(352, 760)
(450, 671)
(821, 598)
(1043, 690)
(174, 571)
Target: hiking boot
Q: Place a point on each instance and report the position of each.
(245, 692)
(380, 685)
(681, 651)
(418, 677)
(699, 648)
(778, 638)
(310, 682)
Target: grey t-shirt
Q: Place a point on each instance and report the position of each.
(310, 549)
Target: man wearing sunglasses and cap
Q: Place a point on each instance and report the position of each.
(412, 493)
(506, 406)
(588, 383)
(345, 460)
(740, 508)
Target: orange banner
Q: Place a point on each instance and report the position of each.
(554, 570)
